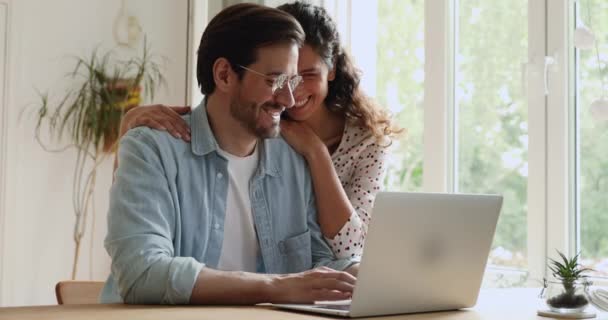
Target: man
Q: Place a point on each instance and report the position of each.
(230, 217)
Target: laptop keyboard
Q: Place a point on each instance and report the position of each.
(345, 307)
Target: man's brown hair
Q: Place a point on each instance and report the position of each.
(237, 32)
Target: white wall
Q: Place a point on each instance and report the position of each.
(36, 216)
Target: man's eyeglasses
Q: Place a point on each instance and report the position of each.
(278, 82)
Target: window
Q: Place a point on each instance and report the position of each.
(400, 86)
(491, 118)
(591, 143)
(496, 100)
(393, 73)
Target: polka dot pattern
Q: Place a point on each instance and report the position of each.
(361, 165)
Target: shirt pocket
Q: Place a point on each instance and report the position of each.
(296, 252)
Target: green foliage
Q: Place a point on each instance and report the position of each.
(567, 270)
(95, 102)
(400, 86)
(492, 112)
(593, 135)
(490, 124)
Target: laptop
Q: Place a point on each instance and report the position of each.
(424, 252)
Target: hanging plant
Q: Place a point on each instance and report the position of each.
(101, 91)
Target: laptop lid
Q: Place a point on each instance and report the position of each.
(424, 252)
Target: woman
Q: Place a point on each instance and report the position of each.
(342, 134)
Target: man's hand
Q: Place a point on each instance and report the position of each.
(354, 269)
(235, 287)
(319, 284)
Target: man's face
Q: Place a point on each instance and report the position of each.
(253, 104)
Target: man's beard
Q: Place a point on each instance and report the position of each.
(249, 113)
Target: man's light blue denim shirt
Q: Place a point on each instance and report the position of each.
(167, 209)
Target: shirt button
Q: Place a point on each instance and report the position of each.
(216, 226)
(219, 175)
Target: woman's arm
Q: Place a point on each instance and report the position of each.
(344, 212)
(159, 117)
(333, 207)
(361, 188)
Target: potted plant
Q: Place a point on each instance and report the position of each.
(102, 89)
(566, 293)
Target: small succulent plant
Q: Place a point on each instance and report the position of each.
(569, 272)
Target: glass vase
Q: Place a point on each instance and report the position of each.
(566, 296)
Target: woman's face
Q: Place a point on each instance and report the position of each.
(310, 94)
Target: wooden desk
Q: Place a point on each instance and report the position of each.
(495, 304)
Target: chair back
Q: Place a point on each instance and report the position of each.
(78, 292)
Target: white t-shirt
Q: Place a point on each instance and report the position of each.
(240, 247)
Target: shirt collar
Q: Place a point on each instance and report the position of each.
(203, 140)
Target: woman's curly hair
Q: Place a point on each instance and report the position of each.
(344, 94)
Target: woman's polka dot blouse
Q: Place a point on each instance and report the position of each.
(360, 163)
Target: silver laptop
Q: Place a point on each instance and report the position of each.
(424, 252)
